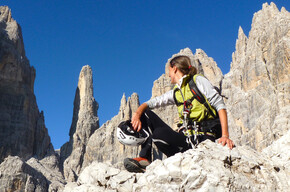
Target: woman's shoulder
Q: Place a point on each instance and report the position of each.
(200, 78)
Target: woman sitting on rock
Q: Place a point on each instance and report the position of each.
(197, 126)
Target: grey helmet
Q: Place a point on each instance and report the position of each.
(127, 136)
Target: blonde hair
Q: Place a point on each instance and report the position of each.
(184, 65)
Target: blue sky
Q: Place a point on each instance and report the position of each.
(127, 44)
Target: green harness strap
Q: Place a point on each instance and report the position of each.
(196, 95)
(199, 96)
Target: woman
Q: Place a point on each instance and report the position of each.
(167, 140)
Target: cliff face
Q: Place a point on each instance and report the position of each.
(258, 84)
(22, 129)
(23, 134)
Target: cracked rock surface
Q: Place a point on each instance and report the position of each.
(209, 167)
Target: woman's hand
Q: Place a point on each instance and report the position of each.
(136, 123)
(225, 133)
(226, 140)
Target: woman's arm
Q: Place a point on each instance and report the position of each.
(217, 102)
(165, 99)
(207, 89)
(225, 139)
(162, 100)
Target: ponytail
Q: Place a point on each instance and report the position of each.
(184, 65)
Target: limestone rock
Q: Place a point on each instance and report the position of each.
(208, 67)
(258, 84)
(22, 128)
(103, 145)
(16, 175)
(33, 175)
(279, 152)
(210, 167)
(49, 168)
(85, 122)
(103, 177)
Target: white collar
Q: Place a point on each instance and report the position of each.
(181, 81)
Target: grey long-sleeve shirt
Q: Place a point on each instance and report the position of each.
(204, 86)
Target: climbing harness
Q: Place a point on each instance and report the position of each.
(190, 131)
(191, 128)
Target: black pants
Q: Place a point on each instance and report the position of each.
(166, 139)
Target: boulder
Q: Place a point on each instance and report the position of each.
(49, 168)
(17, 175)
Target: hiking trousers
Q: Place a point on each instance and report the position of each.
(165, 138)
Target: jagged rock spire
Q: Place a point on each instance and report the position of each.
(12, 30)
(241, 45)
(127, 107)
(208, 67)
(258, 82)
(23, 134)
(85, 105)
(85, 122)
(22, 129)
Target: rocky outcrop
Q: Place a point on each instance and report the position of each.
(279, 152)
(16, 175)
(85, 122)
(258, 84)
(103, 145)
(32, 175)
(49, 168)
(210, 167)
(22, 129)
